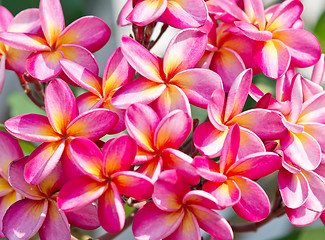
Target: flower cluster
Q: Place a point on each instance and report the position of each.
(131, 137)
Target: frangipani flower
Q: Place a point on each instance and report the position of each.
(178, 213)
(231, 181)
(38, 211)
(74, 42)
(159, 140)
(278, 43)
(106, 178)
(176, 13)
(58, 129)
(169, 83)
(10, 151)
(117, 73)
(26, 21)
(225, 111)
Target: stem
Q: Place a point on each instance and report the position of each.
(128, 222)
(162, 31)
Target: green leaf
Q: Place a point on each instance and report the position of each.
(306, 234)
(319, 30)
(27, 147)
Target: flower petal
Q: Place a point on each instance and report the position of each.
(200, 198)
(208, 169)
(313, 109)
(251, 31)
(2, 71)
(24, 41)
(302, 216)
(5, 202)
(315, 200)
(24, 218)
(5, 19)
(216, 109)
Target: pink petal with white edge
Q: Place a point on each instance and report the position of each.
(302, 216)
(82, 77)
(255, 10)
(56, 225)
(169, 191)
(153, 222)
(117, 73)
(302, 150)
(200, 198)
(317, 131)
(188, 229)
(254, 204)
(313, 109)
(2, 71)
(256, 165)
(42, 161)
(93, 124)
(32, 127)
(119, 154)
(24, 41)
(197, 91)
(60, 105)
(89, 32)
(226, 193)
(316, 195)
(216, 109)
(141, 122)
(208, 169)
(252, 32)
(180, 14)
(273, 57)
(17, 181)
(249, 143)
(182, 163)
(120, 125)
(111, 210)
(238, 94)
(172, 98)
(144, 62)
(172, 130)
(27, 21)
(87, 101)
(293, 188)
(80, 192)
(256, 120)
(5, 19)
(133, 184)
(303, 46)
(233, 9)
(208, 139)
(10, 150)
(145, 12)
(52, 20)
(85, 218)
(141, 90)
(296, 99)
(228, 64)
(24, 219)
(212, 223)
(184, 51)
(127, 8)
(87, 157)
(319, 70)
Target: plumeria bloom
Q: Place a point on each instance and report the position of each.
(170, 83)
(61, 125)
(10, 151)
(10, 58)
(225, 111)
(176, 13)
(231, 180)
(178, 213)
(278, 42)
(74, 42)
(117, 73)
(39, 212)
(158, 141)
(106, 178)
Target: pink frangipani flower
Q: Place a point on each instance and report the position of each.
(117, 73)
(231, 180)
(58, 129)
(176, 13)
(158, 141)
(171, 83)
(106, 178)
(75, 42)
(38, 211)
(178, 213)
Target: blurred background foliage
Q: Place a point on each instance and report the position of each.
(18, 103)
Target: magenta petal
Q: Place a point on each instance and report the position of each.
(60, 105)
(24, 41)
(5, 18)
(56, 225)
(316, 195)
(216, 109)
(85, 218)
(24, 219)
(200, 198)
(111, 210)
(208, 169)
(302, 216)
(133, 184)
(27, 21)
(93, 124)
(2, 71)
(153, 222)
(252, 32)
(42, 161)
(252, 195)
(32, 127)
